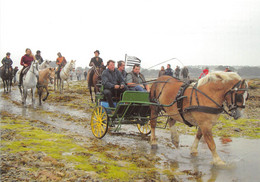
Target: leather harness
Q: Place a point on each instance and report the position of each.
(196, 108)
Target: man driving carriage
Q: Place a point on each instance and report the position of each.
(136, 81)
(113, 82)
(95, 62)
(61, 62)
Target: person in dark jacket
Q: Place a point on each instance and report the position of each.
(7, 60)
(95, 62)
(185, 74)
(112, 81)
(38, 57)
(177, 72)
(169, 71)
(136, 81)
(161, 72)
(121, 69)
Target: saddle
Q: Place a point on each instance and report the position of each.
(25, 70)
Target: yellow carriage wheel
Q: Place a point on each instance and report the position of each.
(99, 122)
(145, 129)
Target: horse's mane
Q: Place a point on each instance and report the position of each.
(218, 76)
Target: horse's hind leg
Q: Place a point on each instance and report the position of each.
(194, 147)
(206, 130)
(90, 91)
(33, 95)
(174, 132)
(24, 97)
(153, 125)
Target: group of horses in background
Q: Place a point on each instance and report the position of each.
(36, 76)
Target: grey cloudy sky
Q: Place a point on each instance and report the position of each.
(201, 32)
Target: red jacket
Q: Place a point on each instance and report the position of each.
(26, 60)
(205, 72)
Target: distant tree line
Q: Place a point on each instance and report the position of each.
(195, 71)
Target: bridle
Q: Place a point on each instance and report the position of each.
(236, 97)
(34, 68)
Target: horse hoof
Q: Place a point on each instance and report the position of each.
(154, 146)
(194, 154)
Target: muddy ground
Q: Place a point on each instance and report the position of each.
(53, 142)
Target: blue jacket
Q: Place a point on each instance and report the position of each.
(169, 72)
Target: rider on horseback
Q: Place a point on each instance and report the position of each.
(7, 61)
(39, 57)
(61, 62)
(26, 61)
(95, 62)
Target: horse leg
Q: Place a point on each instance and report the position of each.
(174, 132)
(33, 95)
(194, 147)
(206, 130)
(40, 96)
(153, 125)
(24, 96)
(54, 84)
(90, 91)
(4, 85)
(47, 91)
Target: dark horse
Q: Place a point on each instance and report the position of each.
(7, 76)
(95, 80)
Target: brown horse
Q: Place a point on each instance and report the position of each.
(200, 105)
(45, 76)
(95, 80)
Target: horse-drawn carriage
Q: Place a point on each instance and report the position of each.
(133, 108)
(198, 104)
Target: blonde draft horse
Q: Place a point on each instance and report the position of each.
(45, 76)
(212, 91)
(95, 79)
(65, 74)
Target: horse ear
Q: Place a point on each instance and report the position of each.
(50, 69)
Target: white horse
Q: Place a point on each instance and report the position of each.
(30, 81)
(65, 74)
(45, 64)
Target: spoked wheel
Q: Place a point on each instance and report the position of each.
(145, 129)
(99, 122)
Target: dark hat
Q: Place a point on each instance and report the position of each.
(97, 51)
(8, 53)
(38, 51)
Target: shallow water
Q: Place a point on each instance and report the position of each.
(241, 155)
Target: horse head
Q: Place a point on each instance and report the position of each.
(236, 98)
(72, 65)
(51, 74)
(35, 67)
